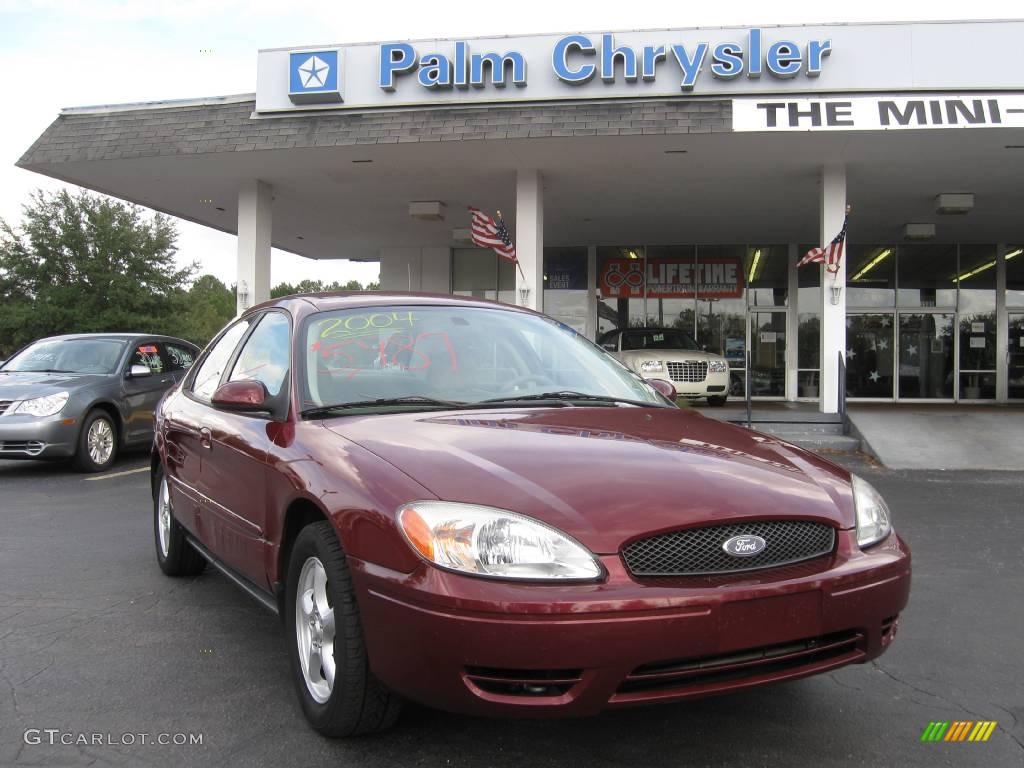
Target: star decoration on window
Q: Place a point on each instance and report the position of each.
(883, 344)
(912, 350)
(874, 376)
(313, 72)
(885, 321)
(850, 354)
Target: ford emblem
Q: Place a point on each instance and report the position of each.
(744, 546)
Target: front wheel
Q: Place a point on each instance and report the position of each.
(717, 401)
(339, 694)
(97, 443)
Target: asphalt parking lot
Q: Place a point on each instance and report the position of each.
(95, 640)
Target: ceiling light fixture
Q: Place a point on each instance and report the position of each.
(427, 210)
(753, 266)
(884, 254)
(955, 203)
(1011, 254)
(918, 231)
(974, 271)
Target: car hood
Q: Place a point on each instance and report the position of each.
(679, 355)
(15, 385)
(607, 475)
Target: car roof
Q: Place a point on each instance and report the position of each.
(323, 302)
(114, 336)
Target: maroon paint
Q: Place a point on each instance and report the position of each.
(605, 476)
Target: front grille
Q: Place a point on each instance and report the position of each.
(4, 405)
(693, 371)
(694, 551)
(749, 663)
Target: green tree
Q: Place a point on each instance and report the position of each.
(84, 262)
(204, 309)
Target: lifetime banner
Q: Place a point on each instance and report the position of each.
(672, 279)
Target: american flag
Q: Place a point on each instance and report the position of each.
(830, 255)
(488, 233)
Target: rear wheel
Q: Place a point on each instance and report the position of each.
(339, 694)
(174, 554)
(717, 401)
(97, 443)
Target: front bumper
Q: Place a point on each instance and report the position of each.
(714, 385)
(31, 437)
(487, 647)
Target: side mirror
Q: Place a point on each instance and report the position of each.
(139, 372)
(667, 388)
(245, 395)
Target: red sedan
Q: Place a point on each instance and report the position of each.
(470, 505)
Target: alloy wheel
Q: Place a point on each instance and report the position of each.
(164, 515)
(314, 630)
(100, 441)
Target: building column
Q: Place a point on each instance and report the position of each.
(1002, 327)
(833, 315)
(529, 239)
(254, 225)
(593, 321)
(792, 324)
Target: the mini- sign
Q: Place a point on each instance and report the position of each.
(978, 327)
(977, 342)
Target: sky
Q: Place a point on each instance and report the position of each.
(63, 53)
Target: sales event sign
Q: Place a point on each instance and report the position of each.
(672, 279)
(879, 113)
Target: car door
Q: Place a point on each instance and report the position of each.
(233, 475)
(179, 357)
(186, 431)
(142, 393)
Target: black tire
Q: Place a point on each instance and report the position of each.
(180, 559)
(717, 401)
(82, 461)
(358, 703)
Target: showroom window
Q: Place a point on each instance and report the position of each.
(977, 321)
(483, 274)
(565, 287)
(871, 276)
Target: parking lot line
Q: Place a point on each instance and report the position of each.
(119, 474)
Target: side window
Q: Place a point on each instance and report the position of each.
(265, 355)
(148, 354)
(209, 373)
(179, 357)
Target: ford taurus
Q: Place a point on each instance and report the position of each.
(472, 506)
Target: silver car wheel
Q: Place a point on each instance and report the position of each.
(314, 630)
(164, 514)
(99, 442)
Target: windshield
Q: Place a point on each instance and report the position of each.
(658, 338)
(462, 354)
(68, 356)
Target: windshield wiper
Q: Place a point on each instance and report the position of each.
(566, 395)
(48, 370)
(324, 410)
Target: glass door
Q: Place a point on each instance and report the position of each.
(768, 354)
(870, 347)
(925, 356)
(1015, 356)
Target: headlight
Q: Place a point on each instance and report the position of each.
(651, 366)
(483, 541)
(718, 366)
(873, 522)
(43, 406)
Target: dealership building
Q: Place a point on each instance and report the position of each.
(670, 177)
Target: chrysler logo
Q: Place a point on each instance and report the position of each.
(744, 546)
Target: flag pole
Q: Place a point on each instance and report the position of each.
(517, 258)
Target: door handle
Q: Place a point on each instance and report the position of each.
(206, 438)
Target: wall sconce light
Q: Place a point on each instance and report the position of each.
(524, 294)
(243, 294)
(837, 293)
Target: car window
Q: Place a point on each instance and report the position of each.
(208, 376)
(148, 354)
(179, 357)
(454, 353)
(265, 354)
(69, 356)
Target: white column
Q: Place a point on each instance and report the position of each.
(833, 316)
(529, 238)
(792, 324)
(254, 224)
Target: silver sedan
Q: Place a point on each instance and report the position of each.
(86, 396)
